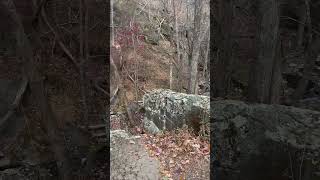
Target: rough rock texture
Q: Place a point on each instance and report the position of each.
(259, 141)
(168, 110)
(310, 103)
(129, 159)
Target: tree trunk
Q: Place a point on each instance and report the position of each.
(206, 72)
(176, 26)
(260, 84)
(112, 23)
(224, 43)
(195, 47)
(83, 53)
(31, 71)
(275, 88)
(302, 23)
(310, 59)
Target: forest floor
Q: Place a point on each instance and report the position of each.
(170, 155)
(138, 155)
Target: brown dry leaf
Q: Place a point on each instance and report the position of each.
(186, 142)
(197, 146)
(174, 155)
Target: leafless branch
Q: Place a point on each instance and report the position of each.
(61, 44)
(16, 101)
(297, 21)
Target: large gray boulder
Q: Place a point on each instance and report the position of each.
(168, 110)
(256, 141)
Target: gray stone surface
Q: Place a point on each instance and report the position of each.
(129, 159)
(256, 141)
(310, 103)
(170, 110)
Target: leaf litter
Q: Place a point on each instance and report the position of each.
(179, 152)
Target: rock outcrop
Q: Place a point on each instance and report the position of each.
(249, 141)
(256, 141)
(168, 110)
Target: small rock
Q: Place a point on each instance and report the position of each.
(131, 142)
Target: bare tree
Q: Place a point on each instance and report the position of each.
(275, 87)
(83, 55)
(224, 17)
(302, 23)
(263, 69)
(195, 47)
(176, 27)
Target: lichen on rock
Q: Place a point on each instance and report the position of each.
(169, 110)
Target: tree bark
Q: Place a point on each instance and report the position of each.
(177, 43)
(302, 23)
(83, 55)
(275, 88)
(195, 47)
(262, 70)
(31, 71)
(224, 42)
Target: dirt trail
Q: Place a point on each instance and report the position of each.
(130, 160)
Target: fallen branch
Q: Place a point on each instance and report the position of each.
(16, 102)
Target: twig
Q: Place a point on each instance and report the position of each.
(132, 80)
(297, 21)
(96, 85)
(95, 56)
(16, 102)
(53, 46)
